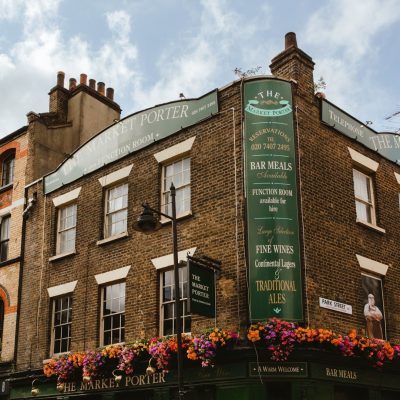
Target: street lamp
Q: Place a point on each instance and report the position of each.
(147, 223)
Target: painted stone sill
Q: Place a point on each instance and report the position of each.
(112, 238)
(371, 226)
(6, 187)
(164, 221)
(63, 255)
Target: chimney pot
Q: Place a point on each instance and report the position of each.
(72, 83)
(110, 93)
(83, 79)
(92, 83)
(290, 40)
(60, 78)
(101, 88)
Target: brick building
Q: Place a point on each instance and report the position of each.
(25, 155)
(296, 198)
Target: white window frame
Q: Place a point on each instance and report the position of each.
(107, 215)
(60, 231)
(103, 289)
(53, 326)
(368, 203)
(368, 167)
(165, 190)
(5, 239)
(183, 277)
(167, 157)
(7, 168)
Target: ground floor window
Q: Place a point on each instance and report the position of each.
(113, 314)
(168, 299)
(61, 321)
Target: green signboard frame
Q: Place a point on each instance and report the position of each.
(273, 245)
(386, 144)
(130, 135)
(201, 289)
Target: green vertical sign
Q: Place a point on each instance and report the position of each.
(275, 288)
(201, 290)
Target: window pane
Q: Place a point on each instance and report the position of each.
(107, 324)
(179, 174)
(363, 212)
(168, 278)
(7, 170)
(3, 251)
(66, 229)
(5, 228)
(167, 293)
(113, 313)
(362, 186)
(167, 303)
(168, 327)
(62, 324)
(169, 310)
(107, 338)
(116, 210)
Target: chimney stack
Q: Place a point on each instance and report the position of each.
(83, 79)
(101, 88)
(92, 84)
(72, 84)
(58, 98)
(60, 78)
(290, 40)
(110, 93)
(293, 64)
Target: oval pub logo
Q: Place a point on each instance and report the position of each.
(268, 103)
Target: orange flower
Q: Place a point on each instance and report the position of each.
(253, 335)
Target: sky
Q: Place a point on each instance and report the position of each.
(151, 51)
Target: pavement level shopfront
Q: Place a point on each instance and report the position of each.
(312, 375)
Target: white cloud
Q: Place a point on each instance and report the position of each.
(344, 25)
(346, 35)
(204, 56)
(10, 9)
(119, 23)
(44, 49)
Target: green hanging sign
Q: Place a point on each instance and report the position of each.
(202, 289)
(275, 288)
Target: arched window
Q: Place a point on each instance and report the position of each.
(7, 168)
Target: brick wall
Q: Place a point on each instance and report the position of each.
(330, 236)
(12, 204)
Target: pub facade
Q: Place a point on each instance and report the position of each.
(287, 206)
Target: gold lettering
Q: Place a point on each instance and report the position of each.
(136, 378)
(141, 380)
(70, 387)
(155, 378)
(104, 384)
(128, 380)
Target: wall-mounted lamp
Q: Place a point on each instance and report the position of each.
(150, 370)
(60, 386)
(35, 390)
(86, 379)
(117, 377)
